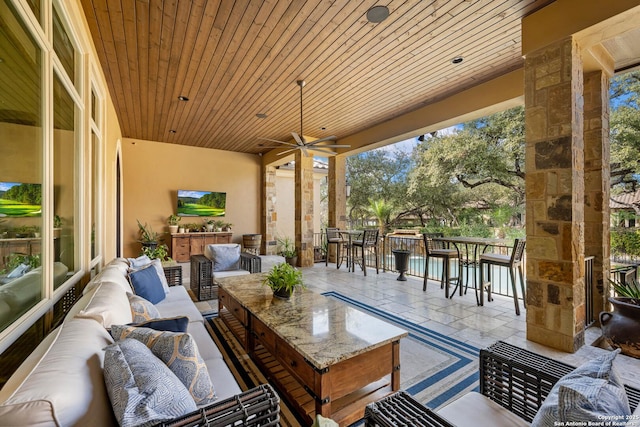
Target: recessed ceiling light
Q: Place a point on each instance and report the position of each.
(457, 60)
(261, 115)
(323, 128)
(172, 131)
(377, 14)
(183, 98)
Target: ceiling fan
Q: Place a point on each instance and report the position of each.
(300, 142)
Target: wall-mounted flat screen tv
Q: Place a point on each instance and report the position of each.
(201, 203)
(18, 199)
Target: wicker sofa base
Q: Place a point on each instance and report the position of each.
(400, 409)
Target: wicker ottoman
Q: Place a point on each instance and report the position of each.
(400, 409)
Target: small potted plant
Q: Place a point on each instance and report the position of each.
(621, 327)
(146, 236)
(227, 226)
(210, 224)
(173, 221)
(288, 250)
(283, 279)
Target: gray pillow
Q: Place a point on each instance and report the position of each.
(179, 352)
(142, 390)
(141, 309)
(591, 392)
(224, 257)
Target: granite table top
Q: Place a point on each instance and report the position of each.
(323, 330)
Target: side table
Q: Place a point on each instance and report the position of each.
(173, 273)
(201, 284)
(400, 409)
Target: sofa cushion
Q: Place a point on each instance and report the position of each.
(142, 390)
(591, 392)
(475, 410)
(108, 305)
(179, 303)
(67, 373)
(141, 310)
(147, 284)
(113, 274)
(171, 324)
(180, 352)
(224, 257)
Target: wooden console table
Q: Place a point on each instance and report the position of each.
(183, 245)
(324, 356)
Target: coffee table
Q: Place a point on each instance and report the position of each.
(324, 356)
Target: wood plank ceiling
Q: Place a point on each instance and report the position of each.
(236, 59)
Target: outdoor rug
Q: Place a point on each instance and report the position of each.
(435, 368)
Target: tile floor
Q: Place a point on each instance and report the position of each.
(459, 317)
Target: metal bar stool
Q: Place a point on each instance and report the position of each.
(512, 262)
(334, 238)
(369, 240)
(436, 250)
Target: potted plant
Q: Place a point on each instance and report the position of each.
(209, 224)
(283, 279)
(160, 252)
(146, 236)
(401, 255)
(288, 250)
(227, 226)
(173, 221)
(621, 328)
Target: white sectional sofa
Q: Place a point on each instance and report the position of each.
(62, 384)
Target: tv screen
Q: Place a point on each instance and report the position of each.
(201, 203)
(18, 199)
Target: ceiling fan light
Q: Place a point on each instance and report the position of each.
(377, 14)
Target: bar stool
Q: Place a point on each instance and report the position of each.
(334, 238)
(512, 262)
(435, 249)
(369, 240)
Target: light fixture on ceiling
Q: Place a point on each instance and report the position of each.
(183, 98)
(172, 131)
(457, 60)
(377, 14)
(261, 115)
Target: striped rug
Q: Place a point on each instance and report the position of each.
(435, 368)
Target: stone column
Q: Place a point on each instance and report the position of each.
(337, 196)
(555, 195)
(304, 208)
(270, 218)
(597, 177)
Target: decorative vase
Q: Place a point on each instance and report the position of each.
(282, 293)
(292, 261)
(402, 262)
(173, 229)
(181, 230)
(209, 227)
(621, 327)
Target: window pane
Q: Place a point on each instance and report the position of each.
(62, 46)
(36, 8)
(63, 181)
(20, 167)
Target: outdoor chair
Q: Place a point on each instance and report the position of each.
(334, 238)
(370, 241)
(512, 262)
(435, 249)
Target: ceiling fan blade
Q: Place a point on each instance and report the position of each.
(329, 146)
(326, 138)
(279, 142)
(321, 150)
(287, 151)
(298, 139)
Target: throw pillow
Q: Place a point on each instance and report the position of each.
(142, 390)
(147, 284)
(171, 324)
(141, 309)
(225, 257)
(144, 261)
(141, 261)
(180, 352)
(591, 392)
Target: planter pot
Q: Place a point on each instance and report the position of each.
(181, 230)
(282, 293)
(402, 263)
(209, 227)
(621, 328)
(292, 261)
(173, 229)
(150, 245)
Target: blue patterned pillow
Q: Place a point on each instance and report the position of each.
(141, 309)
(180, 353)
(146, 283)
(591, 392)
(142, 390)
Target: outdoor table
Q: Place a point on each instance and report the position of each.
(349, 235)
(471, 246)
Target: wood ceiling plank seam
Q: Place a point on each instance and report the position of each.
(240, 121)
(120, 44)
(110, 61)
(142, 43)
(365, 29)
(171, 102)
(399, 77)
(155, 33)
(196, 17)
(212, 38)
(167, 34)
(225, 108)
(232, 20)
(239, 49)
(130, 34)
